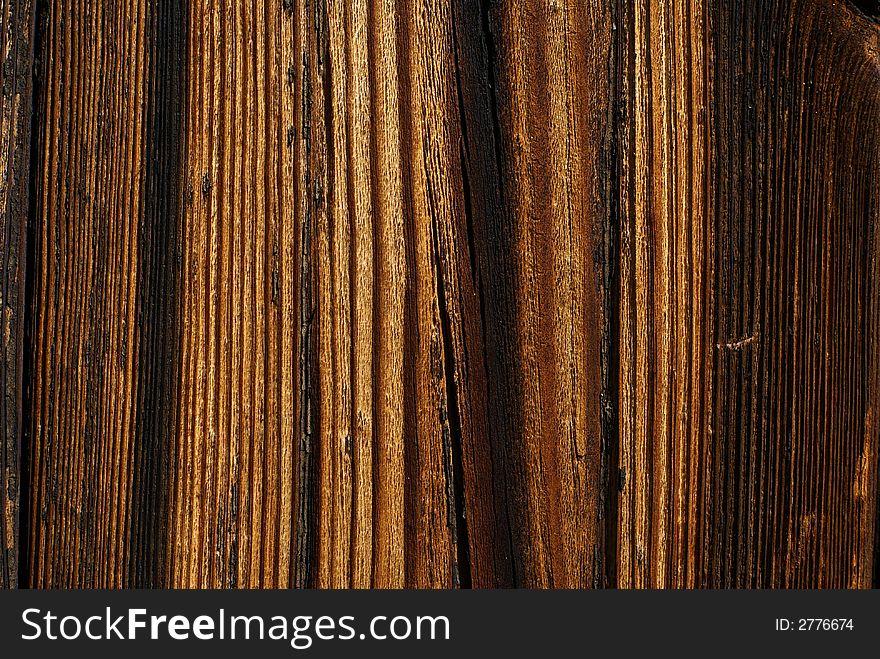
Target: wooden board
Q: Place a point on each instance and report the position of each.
(16, 70)
(336, 293)
(748, 307)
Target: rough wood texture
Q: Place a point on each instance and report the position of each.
(91, 198)
(749, 299)
(338, 293)
(16, 21)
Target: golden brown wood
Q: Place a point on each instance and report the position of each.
(349, 293)
(84, 381)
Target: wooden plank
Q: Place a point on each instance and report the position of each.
(666, 295)
(329, 195)
(748, 325)
(347, 256)
(337, 293)
(543, 277)
(16, 71)
(104, 271)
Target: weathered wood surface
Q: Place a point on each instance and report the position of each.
(748, 331)
(16, 69)
(334, 293)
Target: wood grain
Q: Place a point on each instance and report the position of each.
(16, 50)
(84, 378)
(338, 293)
(748, 296)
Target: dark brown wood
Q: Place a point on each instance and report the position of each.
(749, 300)
(16, 70)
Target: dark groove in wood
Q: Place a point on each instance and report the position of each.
(158, 298)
